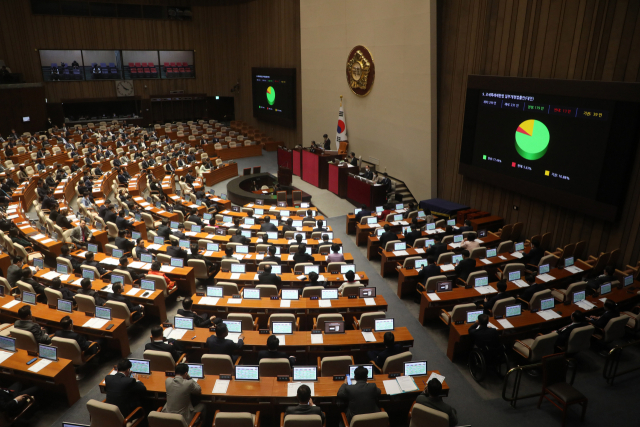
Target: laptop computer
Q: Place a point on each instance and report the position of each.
(215, 291)
(103, 313)
(579, 296)
(547, 304)
(544, 269)
(48, 352)
(183, 323)
(334, 327)
(514, 275)
(344, 268)
(29, 298)
(400, 246)
(65, 305)
(117, 253)
(8, 344)
(444, 286)
(238, 268)
(329, 294)
(352, 369)
(148, 285)
(116, 278)
(605, 288)
(305, 373)
(383, 325)
(367, 292)
(62, 269)
(282, 328)
(92, 247)
(233, 326)
(472, 315)
(242, 249)
(215, 247)
(309, 268)
(492, 253)
(183, 243)
(158, 240)
(177, 262)
(140, 366)
(513, 310)
(88, 274)
(290, 294)
(251, 293)
(146, 258)
(247, 373)
(455, 259)
(196, 370)
(414, 368)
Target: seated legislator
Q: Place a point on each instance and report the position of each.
(179, 390)
(267, 225)
(155, 270)
(122, 390)
(15, 398)
(578, 320)
(534, 255)
(465, 266)
(390, 349)
(607, 276)
(272, 351)
(532, 289)
(86, 290)
(482, 335)
(117, 296)
(387, 236)
(158, 344)
(176, 251)
(430, 398)
(219, 344)
(469, 243)
(27, 277)
(26, 323)
(305, 404)
(502, 293)
(611, 312)
(351, 280)
(412, 235)
(81, 234)
(268, 278)
(67, 332)
(202, 320)
(361, 397)
(272, 255)
(89, 260)
(301, 255)
(335, 255)
(56, 285)
(438, 247)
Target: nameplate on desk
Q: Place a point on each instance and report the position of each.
(237, 296)
(339, 377)
(394, 375)
(459, 322)
(353, 296)
(170, 374)
(264, 331)
(167, 325)
(274, 297)
(314, 298)
(32, 353)
(316, 331)
(283, 378)
(88, 314)
(367, 330)
(225, 377)
(200, 294)
(497, 317)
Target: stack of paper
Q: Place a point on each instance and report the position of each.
(95, 323)
(166, 332)
(176, 334)
(166, 269)
(548, 314)
(108, 288)
(235, 276)
(486, 261)
(407, 383)
(502, 258)
(455, 245)
(491, 325)
(420, 250)
(234, 336)
(209, 300)
(221, 386)
(4, 355)
(545, 277)
(282, 339)
(521, 283)
(374, 225)
(154, 246)
(483, 290)
(447, 267)
(391, 387)
(39, 365)
(324, 303)
(573, 269)
(505, 323)
(132, 291)
(585, 305)
(317, 339)
(400, 253)
(234, 301)
(51, 275)
(369, 301)
(516, 255)
(11, 304)
(239, 257)
(285, 303)
(369, 337)
(436, 376)
(433, 296)
(110, 261)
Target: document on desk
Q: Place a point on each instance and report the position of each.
(545, 277)
(432, 231)
(234, 337)
(548, 314)
(355, 277)
(154, 246)
(110, 261)
(132, 291)
(317, 339)
(603, 300)
(176, 334)
(38, 236)
(505, 323)
(521, 283)
(447, 267)
(40, 365)
(190, 233)
(239, 257)
(108, 288)
(208, 253)
(4, 355)
(573, 269)
(285, 303)
(235, 276)
(234, 301)
(51, 275)
(210, 236)
(324, 303)
(491, 325)
(95, 323)
(585, 305)
(301, 277)
(209, 300)
(11, 304)
(502, 258)
(369, 337)
(483, 290)
(259, 257)
(486, 261)
(374, 225)
(400, 253)
(455, 245)
(166, 269)
(407, 383)
(516, 255)
(479, 241)
(282, 339)
(391, 387)
(82, 254)
(420, 250)
(292, 389)
(369, 301)
(221, 386)
(433, 297)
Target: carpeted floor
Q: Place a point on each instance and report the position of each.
(477, 405)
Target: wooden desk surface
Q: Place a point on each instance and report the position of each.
(292, 278)
(296, 305)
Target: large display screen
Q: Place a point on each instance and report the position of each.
(274, 95)
(568, 142)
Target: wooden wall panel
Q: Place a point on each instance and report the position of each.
(560, 39)
(228, 36)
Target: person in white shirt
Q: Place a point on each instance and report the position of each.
(351, 280)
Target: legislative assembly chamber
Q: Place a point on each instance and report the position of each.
(290, 213)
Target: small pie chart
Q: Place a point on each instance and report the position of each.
(271, 95)
(532, 139)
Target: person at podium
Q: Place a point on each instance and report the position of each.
(327, 142)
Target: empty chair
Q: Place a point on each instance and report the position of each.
(432, 283)
(579, 339)
(458, 313)
(218, 364)
(86, 303)
(377, 419)
(478, 253)
(505, 246)
(445, 258)
(236, 419)
(164, 419)
(161, 360)
(106, 415)
(555, 386)
(312, 291)
(318, 323)
(394, 363)
(425, 416)
(274, 367)
(367, 320)
(267, 290)
(229, 288)
(248, 323)
(562, 294)
(351, 289)
(285, 317)
(334, 365)
(533, 350)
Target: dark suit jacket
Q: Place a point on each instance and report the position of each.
(305, 257)
(465, 267)
(304, 410)
(267, 354)
(124, 244)
(268, 226)
(528, 292)
(361, 397)
(604, 319)
(110, 217)
(196, 219)
(274, 258)
(387, 236)
(177, 252)
(97, 265)
(238, 238)
(223, 346)
(428, 271)
(121, 298)
(484, 336)
(164, 231)
(164, 346)
(27, 325)
(14, 273)
(362, 213)
(411, 237)
(489, 304)
(269, 279)
(122, 223)
(200, 321)
(97, 298)
(564, 333)
(437, 404)
(124, 392)
(382, 356)
(533, 257)
(437, 249)
(79, 338)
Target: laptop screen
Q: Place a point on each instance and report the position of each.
(444, 286)
(247, 234)
(48, 352)
(135, 235)
(158, 240)
(62, 269)
(148, 285)
(251, 293)
(419, 263)
(513, 310)
(103, 313)
(258, 211)
(183, 322)
(207, 216)
(279, 328)
(272, 235)
(379, 232)
(297, 223)
(214, 291)
(215, 247)
(334, 327)
(242, 249)
(482, 233)
(382, 325)
(579, 296)
(481, 281)
(177, 262)
(415, 368)
(429, 243)
(568, 262)
(400, 246)
(309, 268)
(431, 226)
(117, 279)
(174, 224)
(237, 268)
(514, 275)
(547, 304)
(247, 373)
(605, 288)
(305, 373)
(196, 228)
(372, 220)
(234, 326)
(117, 253)
(29, 298)
(543, 269)
(183, 243)
(491, 253)
(92, 247)
(285, 213)
(520, 246)
(472, 315)
(140, 366)
(38, 262)
(227, 218)
(628, 280)
(196, 370)
(290, 294)
(357, 211)
(249, 221)
(276, 269)
(88, 274)
(458, 238)
(352, 369)
(147, 258)
(347, 267)
(367, 292)
(455, 259)
(64, 305)
(8, 344)
(329, 294)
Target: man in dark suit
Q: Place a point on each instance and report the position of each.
(89, 260)
(273, 352)
(431, 398)
(68, 333)
(327, 146)
(391, 349)
(363, 212)
(309, 216)
(195, 254)
(482, 335)
(194, 217)
(86, 290)
(122, 390)
(387, 236)
(239, 238)
(502, 289)
(272, 255)
(56, 285)
(164, 230)
(199, 320)
(429, 271)
(122, 223)
(361, 397)
(466, 227)
(412, 235)
(578, 320)
(465, 266)
(169, 168)
(534, 255)
(27, 277)
(437, 248)
(26, 323)
(267, 278)
(611, 312)
(219, 344)
(288, 226)
(63, 222)
(102, 211)
(110, 216)
(608, 276)
(123, 243)
(176, 251)
(14, 272)
(158, 344)
(354, 160)
(367, 174)
(117, 296)
(179, 232)
(533, 287)
(386, 182)
(320, 226)
(267, 225)
(305, 404)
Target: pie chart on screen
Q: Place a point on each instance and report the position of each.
(532, 139)
(271, 95)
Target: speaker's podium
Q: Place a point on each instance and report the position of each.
(284, 175)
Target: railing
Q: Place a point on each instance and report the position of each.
(610, 371)
(518, 371)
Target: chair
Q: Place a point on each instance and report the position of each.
(161, 360)
(447, 240)
(562, 294)
(119, 310)
(500, 306)
(470, 283)
(534, 302)
(579, 339)
(353, 289)
(69, 349)
(458, 313)
(160, 283)
(128, 280)
(533, 350)
(248, 323)
(236, 419)
(377, 419)
(112, 230)
(510, 268)
(86, 303)
(52, 297)
(334, 365)
(431, 283)
(300, 420)
(226, 263)
(445, 258)
(284, 317)
(554, 384)
(505, 246)
(164, 419)
(318, 323)
(424, 416)
(106, 415)
(367, 320)
(218, 364)
(24, 340)
(274, 367)
(614, 330)
(267, 290)
(229, 289)
(312, 291)
(478, 253)
(504, 233)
